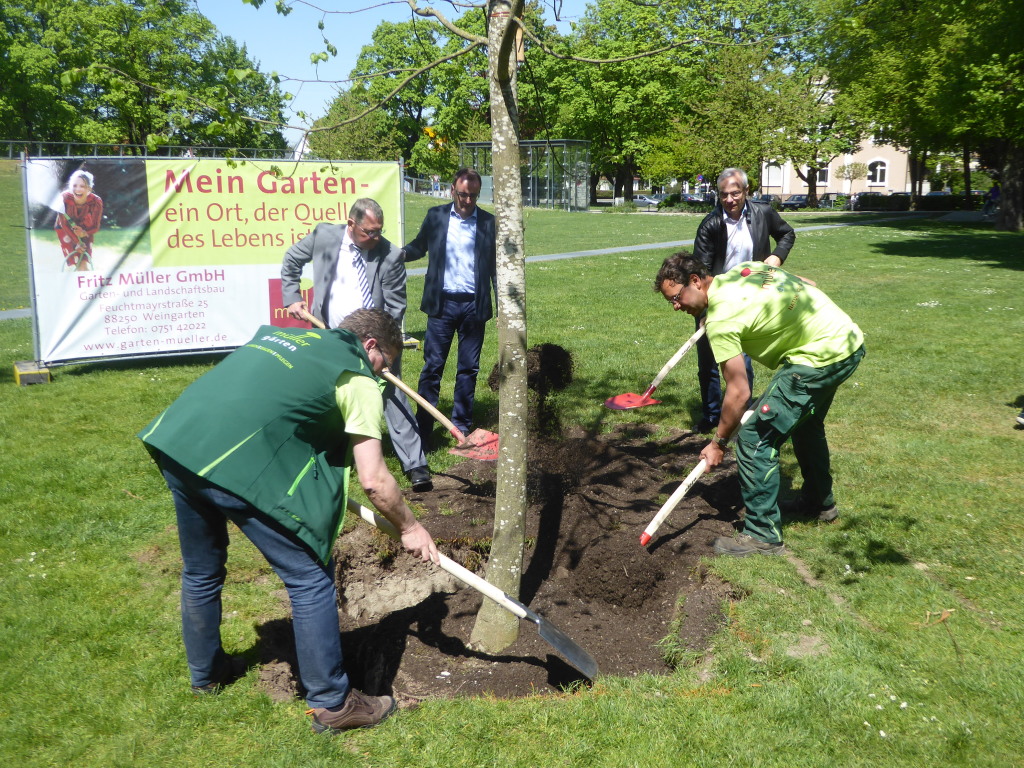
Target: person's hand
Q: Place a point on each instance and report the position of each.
(298, 310)
(713, 454)
(417, 540)
(773, 261)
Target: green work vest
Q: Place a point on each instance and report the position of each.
(264, 424)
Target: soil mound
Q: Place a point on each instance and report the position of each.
(406, 625)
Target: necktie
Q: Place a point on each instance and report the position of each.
(364, 284)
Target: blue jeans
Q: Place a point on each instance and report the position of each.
(458, 315)
(203, 512)
(710, 381)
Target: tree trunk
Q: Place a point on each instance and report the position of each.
(968, 200)
(627, 180)
(1010, 215)
(495, 628)
(812, 187)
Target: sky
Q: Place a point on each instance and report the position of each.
(283, 44)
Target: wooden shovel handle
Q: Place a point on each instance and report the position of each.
(456, 433)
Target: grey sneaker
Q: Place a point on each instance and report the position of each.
(742, 545)
(801, 508)
(1020, 418)
(358, 711)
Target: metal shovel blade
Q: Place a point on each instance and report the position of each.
(481, 445)
(565, 645)
(555, 637)
(629, 400)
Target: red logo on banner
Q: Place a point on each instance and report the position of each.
(278, 314)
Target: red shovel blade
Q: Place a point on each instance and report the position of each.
(480, 445)
(629, 400)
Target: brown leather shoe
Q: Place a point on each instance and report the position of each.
(358, 711)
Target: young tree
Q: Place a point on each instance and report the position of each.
(495, 628)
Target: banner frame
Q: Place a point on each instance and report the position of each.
(212, 351)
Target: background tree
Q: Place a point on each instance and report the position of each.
(32, 105)
(619, 106)
(110, 71)
(852, 171)
(373, 137)
(938, 75)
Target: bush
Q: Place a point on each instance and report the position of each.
(947, 202)
(675, 202)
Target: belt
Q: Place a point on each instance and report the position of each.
(459, 296)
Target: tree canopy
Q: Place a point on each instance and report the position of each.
(110, 71)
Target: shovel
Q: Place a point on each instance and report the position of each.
(678, 493)
(555, 637)
(631, 400)
(480, 444)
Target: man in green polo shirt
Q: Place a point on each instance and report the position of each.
(266, 440)
(783, 322)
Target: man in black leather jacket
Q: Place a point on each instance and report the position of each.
(737, 230)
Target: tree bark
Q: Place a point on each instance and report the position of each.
(495, 628)
(1010, 215)
(968, 200)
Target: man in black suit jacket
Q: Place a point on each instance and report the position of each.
(334, 299)
(456, 294)
(737, 230)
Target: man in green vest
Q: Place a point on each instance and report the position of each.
(783, 322)
(266, 440)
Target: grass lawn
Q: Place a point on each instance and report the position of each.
(893, 638)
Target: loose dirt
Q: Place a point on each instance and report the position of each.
(406, 625)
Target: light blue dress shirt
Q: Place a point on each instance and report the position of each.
(460, 258)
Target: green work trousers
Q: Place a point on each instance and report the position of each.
(794, 405)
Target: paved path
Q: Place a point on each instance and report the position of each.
(11, 314)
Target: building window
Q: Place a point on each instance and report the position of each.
(876, 172)
(821, 177)
(773, 175)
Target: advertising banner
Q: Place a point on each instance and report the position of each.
(155, 256)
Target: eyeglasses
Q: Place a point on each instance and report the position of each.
(466, 196)
(675, 299)
(730, 195)
(385, 358)
(373, 234)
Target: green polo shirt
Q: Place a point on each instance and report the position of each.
(776, 318)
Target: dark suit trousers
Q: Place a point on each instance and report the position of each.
(710, 381)
(458, 315)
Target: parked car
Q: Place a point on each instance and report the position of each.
(691, 197)
(936, 193)
(645, 200)
(794, 202)
(766, 198)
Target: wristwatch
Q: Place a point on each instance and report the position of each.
(722, 442)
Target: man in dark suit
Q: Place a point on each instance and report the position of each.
(456, 294)
(338, 290)
(737, 230)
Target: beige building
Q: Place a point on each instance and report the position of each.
(888, 172)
